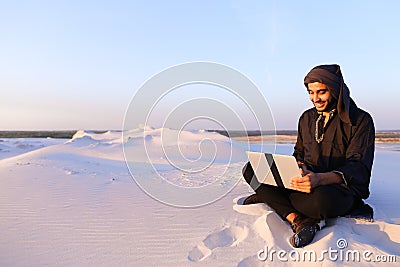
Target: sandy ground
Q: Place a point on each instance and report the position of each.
(75, 203)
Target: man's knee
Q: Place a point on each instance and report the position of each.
(335, 201)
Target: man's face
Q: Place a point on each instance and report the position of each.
(319, 95)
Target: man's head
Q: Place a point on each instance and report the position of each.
(336, 93)
(321, 96)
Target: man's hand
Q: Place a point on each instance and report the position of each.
(306, 182)
(309, 180)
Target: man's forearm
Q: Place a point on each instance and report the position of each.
(325, 178)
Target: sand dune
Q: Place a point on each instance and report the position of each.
(74, 202)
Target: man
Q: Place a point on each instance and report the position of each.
(335, 151)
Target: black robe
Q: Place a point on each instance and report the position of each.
(346, 148)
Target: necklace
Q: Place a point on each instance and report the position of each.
(317, 137)
(321, 119)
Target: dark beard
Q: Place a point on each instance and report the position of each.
(331, 105)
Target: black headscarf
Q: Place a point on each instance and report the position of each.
(332, 77)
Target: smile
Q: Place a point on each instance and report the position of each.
(319, 104)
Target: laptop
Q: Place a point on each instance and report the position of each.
(274, 169)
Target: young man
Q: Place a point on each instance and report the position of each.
(335, 151)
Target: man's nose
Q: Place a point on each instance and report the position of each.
(315, 98)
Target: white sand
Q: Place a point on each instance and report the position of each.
(75, 204)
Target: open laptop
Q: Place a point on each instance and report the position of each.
(274, 169)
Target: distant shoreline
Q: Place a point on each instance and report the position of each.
(279, 136)
(283, 139)
(289, 136)
(42, 134)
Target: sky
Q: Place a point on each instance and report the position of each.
(78, 64)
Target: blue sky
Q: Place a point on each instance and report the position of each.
(77, 64)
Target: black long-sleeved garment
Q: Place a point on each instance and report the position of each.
(346, 148)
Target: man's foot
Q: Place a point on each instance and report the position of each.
(253, 199)
(304, 229)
